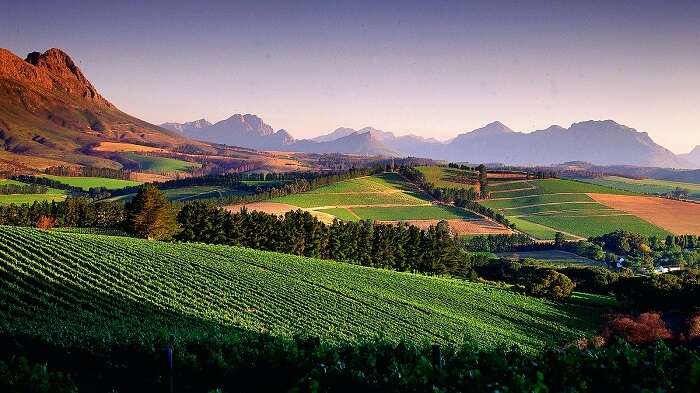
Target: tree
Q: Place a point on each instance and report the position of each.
(550, 284)
(46, 222)
(151, 215)
(558, 240)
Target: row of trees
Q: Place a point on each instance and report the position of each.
(8, 189)
(397, 247)
(73, 212)
(88, 171)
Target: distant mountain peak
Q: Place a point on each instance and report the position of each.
(494, 127)
(187, 126)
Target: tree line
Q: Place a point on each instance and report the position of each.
(89, 172)
(397, 247)
(8, 189)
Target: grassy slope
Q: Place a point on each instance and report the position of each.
(446, 177)
(160, 164)
(75, 287)
(86, 183)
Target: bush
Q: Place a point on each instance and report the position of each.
(18, 375)
(646, 328)
(550, 284)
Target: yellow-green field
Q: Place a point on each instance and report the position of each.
(87, 183)
(444, 177)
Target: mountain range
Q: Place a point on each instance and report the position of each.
(50, 110)
(601, 142)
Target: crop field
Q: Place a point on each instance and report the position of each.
(543, 207)
(87, 183)
(75, 288)
(445, 177)
(160, 164)
(385, 190)
(646, 186)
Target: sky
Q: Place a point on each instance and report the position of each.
(431, 68)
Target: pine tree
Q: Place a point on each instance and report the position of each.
(151, 215)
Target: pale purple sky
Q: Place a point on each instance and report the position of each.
(430, 68)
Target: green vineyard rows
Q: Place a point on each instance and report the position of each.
(92, 289)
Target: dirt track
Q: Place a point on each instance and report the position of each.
(675, 216)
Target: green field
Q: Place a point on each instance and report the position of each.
(87, 183)
(412, 213)
(548, 206)
(74, 288)
(160, 164)
(588, 226)
(535, 230)
(189, 193)
(51, 194)
(646, 186)
(319, 200)
(19, 199)
(382, 189)
(550, 186)
(445, 177)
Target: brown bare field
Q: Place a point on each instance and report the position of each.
(461, 227)
(278, 209)
(678, 217)
(33, 162)
(125, 147)
(502, 175)
(149, 177)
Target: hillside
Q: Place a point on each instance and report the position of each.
(49, 109)
(56, 284)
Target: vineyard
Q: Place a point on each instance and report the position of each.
(83, 288)
(543, 207)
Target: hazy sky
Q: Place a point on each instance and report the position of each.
(431, 68)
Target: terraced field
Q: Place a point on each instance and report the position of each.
(646, 186)
(102, 289)
(543, 207)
